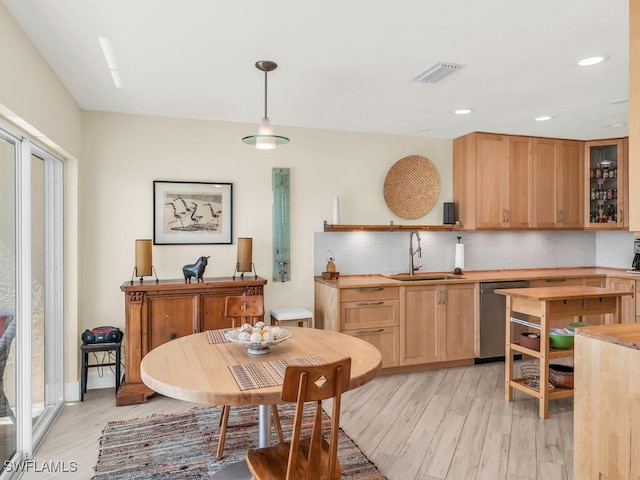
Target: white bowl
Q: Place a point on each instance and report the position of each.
(257, 348)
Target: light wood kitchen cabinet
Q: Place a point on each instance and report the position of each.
(370, 313)
(557, 184)
(606, 184)
(628, 304)
(156, 313)
(492, 181)
(437, 323)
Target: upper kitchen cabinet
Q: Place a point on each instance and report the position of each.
(492, 181)
(606, 184)
(557, 183)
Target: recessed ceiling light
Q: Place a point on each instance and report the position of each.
(543, 118)
(424, 129)
(462, 111)
(586, 62)
(615, 125)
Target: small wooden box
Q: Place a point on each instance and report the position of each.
(330, 275)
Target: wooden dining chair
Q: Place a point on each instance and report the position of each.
(311, 458)
(243, 309)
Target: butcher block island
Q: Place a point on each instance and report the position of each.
(607, 402)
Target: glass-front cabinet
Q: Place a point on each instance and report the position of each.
(606, 192)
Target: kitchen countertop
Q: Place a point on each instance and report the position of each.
(625, 334)
(354, 281)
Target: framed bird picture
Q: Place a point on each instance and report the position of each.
(192, 213)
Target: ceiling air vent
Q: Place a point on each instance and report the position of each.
(436, 72)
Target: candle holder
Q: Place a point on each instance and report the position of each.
(143, 267)
(244, 262)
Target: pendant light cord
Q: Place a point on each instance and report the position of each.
(265, 94)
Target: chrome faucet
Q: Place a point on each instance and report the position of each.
(412, 252)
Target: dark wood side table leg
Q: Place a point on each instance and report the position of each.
(118, 354)
(83, 377)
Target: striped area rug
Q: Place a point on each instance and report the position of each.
(183, 446)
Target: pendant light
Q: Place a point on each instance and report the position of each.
(265, 139)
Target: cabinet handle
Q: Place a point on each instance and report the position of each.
(368, 304)
(363, 332)
(508, 218)
(370, 289)
(172, 336)
(620, 217)
(555, 280)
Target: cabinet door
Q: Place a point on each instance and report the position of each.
(570, 185)
(212, 307)
(491, 175)
(546, 211)
(628, 303)
(168, 318)
(419, 342)
(384, 339)
(458, 322)
(518, 183)
(598, 206)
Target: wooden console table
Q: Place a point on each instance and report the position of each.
(546, 304)
(156, 313)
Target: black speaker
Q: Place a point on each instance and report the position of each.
(102, 335)
(449, 214)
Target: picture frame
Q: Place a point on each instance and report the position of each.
(192, 213)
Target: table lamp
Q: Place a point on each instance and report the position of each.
(144, 265)
(244, 262)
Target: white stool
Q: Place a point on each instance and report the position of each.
(294, 314)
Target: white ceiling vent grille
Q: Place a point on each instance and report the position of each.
(436, 72)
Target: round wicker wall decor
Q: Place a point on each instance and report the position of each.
(412, 186)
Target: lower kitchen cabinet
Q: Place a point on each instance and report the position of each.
(437, 323)
(384, 339)
(372, 314)
(628, 307)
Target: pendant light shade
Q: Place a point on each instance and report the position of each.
(265, 139)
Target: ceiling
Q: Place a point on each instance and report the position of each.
(346, 64)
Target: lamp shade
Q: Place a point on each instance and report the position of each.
(143, 258)
(245, 247)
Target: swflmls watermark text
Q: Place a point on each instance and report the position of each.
(42, 466)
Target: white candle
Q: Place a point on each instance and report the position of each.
(336, 210)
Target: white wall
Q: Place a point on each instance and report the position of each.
(124, 154)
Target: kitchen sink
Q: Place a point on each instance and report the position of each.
(422, 276)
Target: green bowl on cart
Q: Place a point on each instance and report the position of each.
(560, 339)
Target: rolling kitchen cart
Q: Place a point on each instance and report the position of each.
(543, 305)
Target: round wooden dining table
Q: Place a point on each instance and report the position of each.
(198, 367)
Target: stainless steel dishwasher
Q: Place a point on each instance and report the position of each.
(493, 319)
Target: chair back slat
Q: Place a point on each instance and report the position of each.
(244, 309)
(314, 383)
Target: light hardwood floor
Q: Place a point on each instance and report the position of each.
(439, 424)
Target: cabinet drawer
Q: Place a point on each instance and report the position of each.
(368, 314)
(555, 282)
(368, 293)
(385, 339)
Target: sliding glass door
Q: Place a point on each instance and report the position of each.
(31, 281)
(8, 427)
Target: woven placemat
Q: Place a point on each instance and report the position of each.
(217, 336)
(412, 186)
(267, 374)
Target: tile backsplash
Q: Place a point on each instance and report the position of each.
(388, 252)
